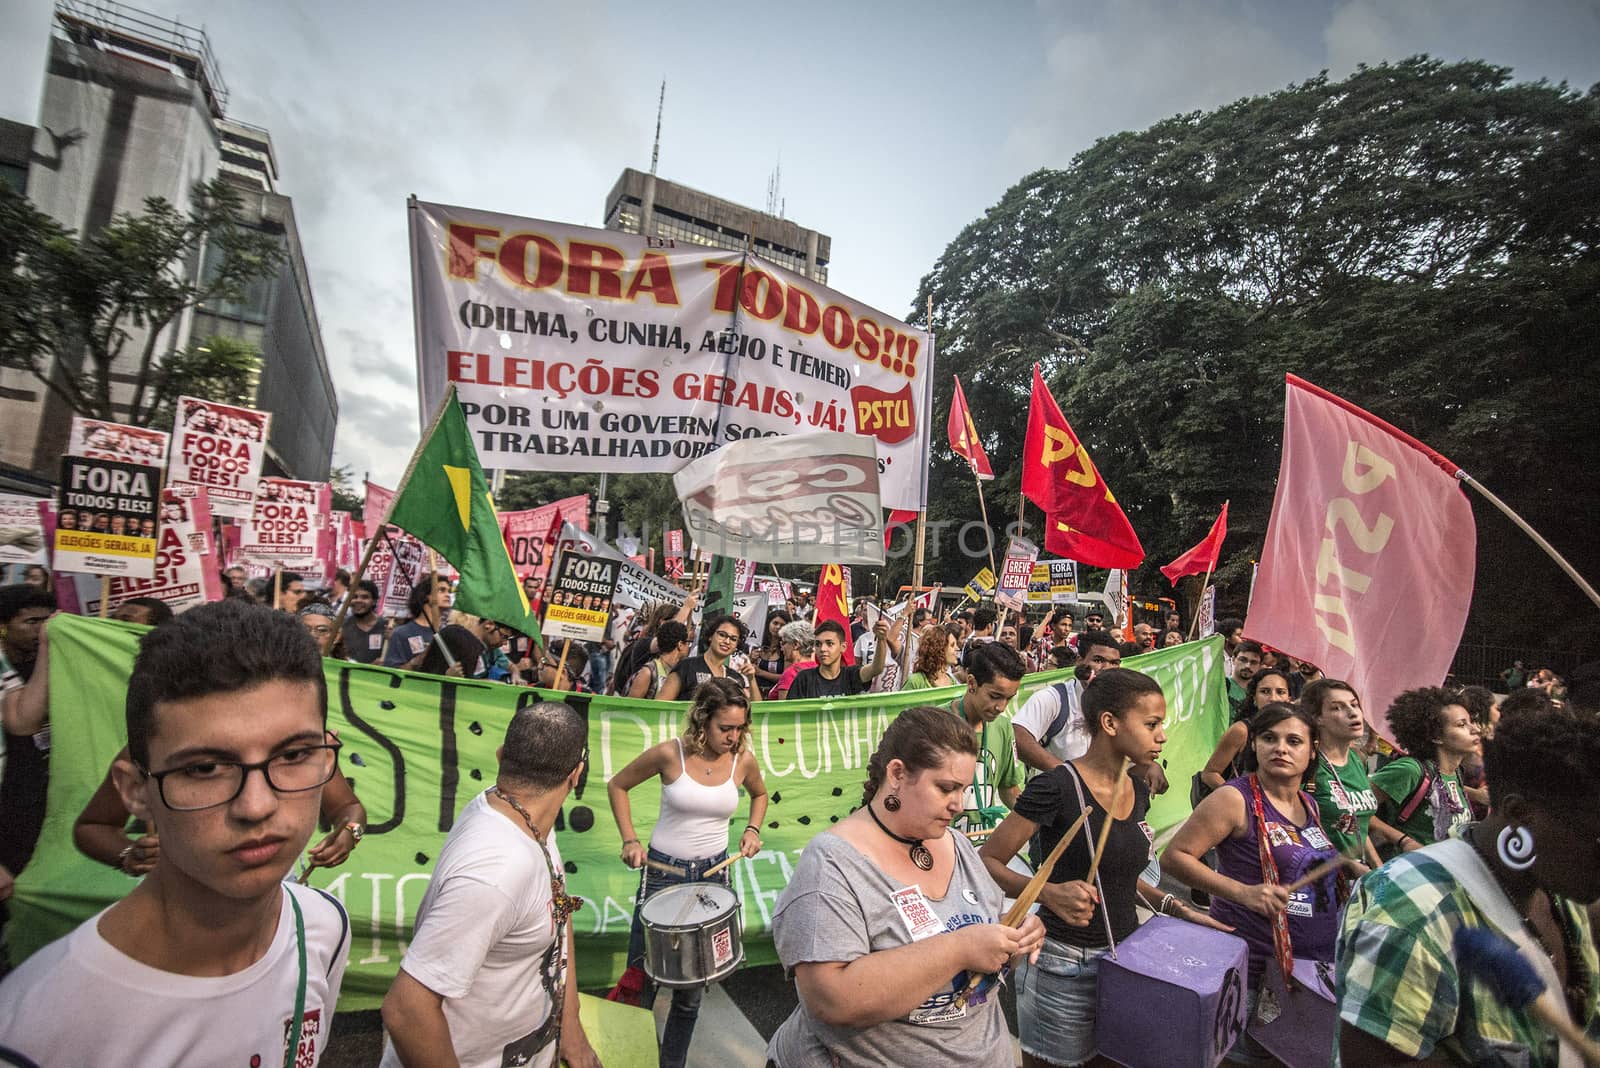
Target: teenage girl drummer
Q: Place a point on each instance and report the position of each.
(701, 774)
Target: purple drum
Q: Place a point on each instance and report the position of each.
(1173, 998)
(1298, 1026)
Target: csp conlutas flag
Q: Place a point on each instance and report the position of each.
(807, 499)
(574, 349)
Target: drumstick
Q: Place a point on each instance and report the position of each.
(1318, 873)
(1030, 894)
(669, 869)
(709, 872)
(984, 833)
(305, 873)
(1105, 828)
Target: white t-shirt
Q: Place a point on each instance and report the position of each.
(80, 1001)
(484, 939)
(1041, 710)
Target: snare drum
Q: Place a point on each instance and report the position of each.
(693, 934)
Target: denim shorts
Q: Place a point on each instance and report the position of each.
(1056, 1003)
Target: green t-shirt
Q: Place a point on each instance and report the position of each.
(1347, 808)
(998, 768)
(1398, 780)
(917, 681)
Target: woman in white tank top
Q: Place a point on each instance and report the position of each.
(701, 773)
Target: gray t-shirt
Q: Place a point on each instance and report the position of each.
(837, 907)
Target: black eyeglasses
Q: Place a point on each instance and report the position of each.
(209, 783)
(725, 636)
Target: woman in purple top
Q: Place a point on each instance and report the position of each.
(1271, 802)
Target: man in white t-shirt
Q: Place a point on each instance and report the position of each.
(211, 958)
(1046, 737)
(488, 978)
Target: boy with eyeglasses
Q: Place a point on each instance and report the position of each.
(211, 959)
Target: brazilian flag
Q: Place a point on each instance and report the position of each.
(444, 502)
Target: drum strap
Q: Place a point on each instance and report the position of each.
(1088, 837)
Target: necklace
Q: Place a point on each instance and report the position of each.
(920, 856)
(562, 904)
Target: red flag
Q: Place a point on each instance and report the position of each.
(1082, 519)
(1202, 557)
(964, 435)
(833, 595)
(1368, 565)
(898, 517)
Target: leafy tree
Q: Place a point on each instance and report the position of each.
(222, 369)
(347, 496)
(1419, 237)
(69, 305)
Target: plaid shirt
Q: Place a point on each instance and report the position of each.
(1397, 978)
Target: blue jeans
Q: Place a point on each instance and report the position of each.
(1057, 1003)
(685, 1000)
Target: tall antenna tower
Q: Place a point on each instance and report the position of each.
(655, 150)
(775, 201)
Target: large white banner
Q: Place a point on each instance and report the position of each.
(574, 349)
(220, 447)
(805, 499)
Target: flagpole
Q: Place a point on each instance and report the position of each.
(1522, 524)
(1194, 624)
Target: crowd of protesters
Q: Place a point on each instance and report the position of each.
(1311, 838)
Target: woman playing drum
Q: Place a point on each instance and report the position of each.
(1056, 997)
(888, 913)
(701, 773)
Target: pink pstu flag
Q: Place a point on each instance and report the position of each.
(1368, 565)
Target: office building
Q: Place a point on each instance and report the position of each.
(134, 105)
(641, 203)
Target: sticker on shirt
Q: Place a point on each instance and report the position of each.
(1279, 835)
(375, 640)
(1299, 904)
(1316, 839)
(915, 912)
(1149, 836)
(418, 644)
(929, 1013)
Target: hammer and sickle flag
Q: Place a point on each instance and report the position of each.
(444, 502)
(1083, 521)
(964, 435)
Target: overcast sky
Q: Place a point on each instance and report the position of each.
(896, 123)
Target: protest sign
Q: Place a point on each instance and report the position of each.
(575, 349)
(97, 439)
(674, 553)
(528, 533)
(21, 530)
(417, 748)
(186, 571)
(287, 522)
(806, 499)
(1016, 569)
(106, 517)
(578, 599)
(1063, 581)
(1208, 612)
(394, 576)
(636, 587)
(981, 585)
(220, 447)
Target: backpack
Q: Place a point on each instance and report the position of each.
(1424, 788)
(1059, 724)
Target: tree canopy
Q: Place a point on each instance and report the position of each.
(69, 304)
(1418, 237)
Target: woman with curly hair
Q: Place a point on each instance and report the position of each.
(889, 913)
(799, 644)
(1525, 872)
(1421, 798)
(937, 653)
(701, 772)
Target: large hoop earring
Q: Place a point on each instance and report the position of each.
(1514, 846)
(892, 802)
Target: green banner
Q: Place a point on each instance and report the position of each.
(419, 747)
